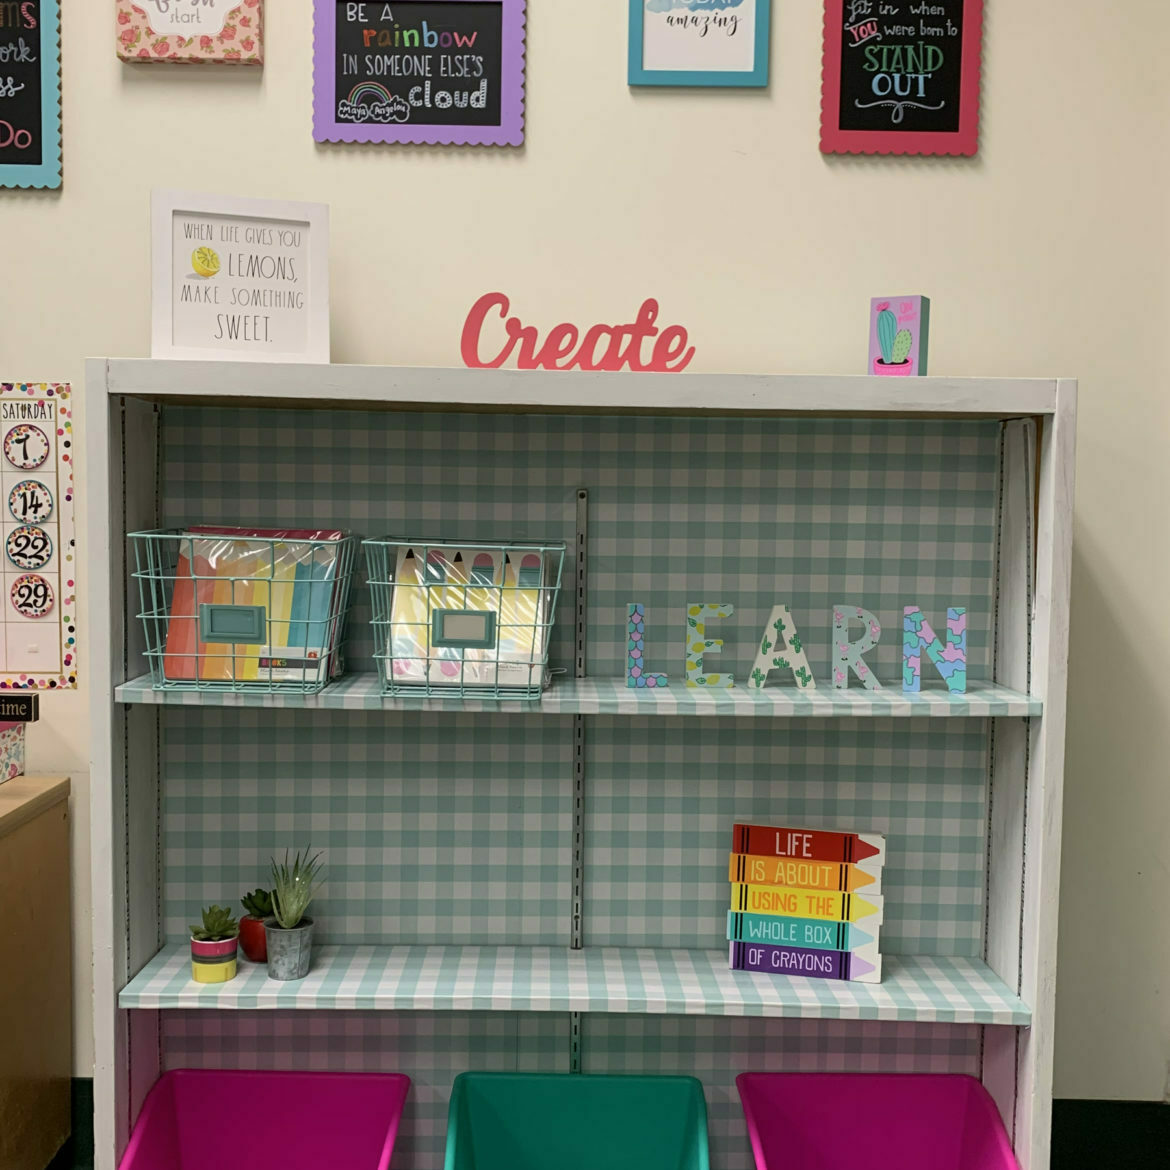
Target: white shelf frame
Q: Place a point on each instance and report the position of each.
(1026, 780)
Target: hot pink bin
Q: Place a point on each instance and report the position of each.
(830, 1121)
(294, 1121)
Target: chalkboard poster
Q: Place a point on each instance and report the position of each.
(30, 94)
(901, 76)
(425, 71)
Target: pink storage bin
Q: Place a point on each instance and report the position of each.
(832, 1121)
(294, 1121)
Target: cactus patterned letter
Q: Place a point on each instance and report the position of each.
(780, 648)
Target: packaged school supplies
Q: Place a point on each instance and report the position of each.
(806, 902)
(244, 608)
(453, 617)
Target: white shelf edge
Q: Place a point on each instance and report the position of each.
(406, 387)
(360, 692)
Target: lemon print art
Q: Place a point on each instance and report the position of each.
(205, 261)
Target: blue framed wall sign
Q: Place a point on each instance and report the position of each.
(30, 94)
(699, 42)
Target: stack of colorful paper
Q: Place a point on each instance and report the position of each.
(287, 576)
(806, 902)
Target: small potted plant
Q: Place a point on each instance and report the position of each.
(895, 345)
(258, 907)
(289, 933)
(213, 946)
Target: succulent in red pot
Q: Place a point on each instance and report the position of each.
(258, 905)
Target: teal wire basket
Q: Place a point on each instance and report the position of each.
(243, 609)
(458, 619)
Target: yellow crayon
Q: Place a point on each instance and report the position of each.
(831, 906)
(800, 874)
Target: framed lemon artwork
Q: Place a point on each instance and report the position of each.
(239, 279)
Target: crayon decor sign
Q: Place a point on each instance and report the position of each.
(491, 335)
(225, 32)
(795, 905)
(239, 279)
(781, 649)
(901, 76)
(30, 94)
(421, 71)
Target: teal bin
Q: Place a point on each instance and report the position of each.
(533, 1121)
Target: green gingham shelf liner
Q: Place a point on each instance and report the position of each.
(597, 979)
(361, 692)
(812, 512)
(433, 1047)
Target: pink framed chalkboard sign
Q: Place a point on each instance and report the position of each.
(901, 78)
(419, 71)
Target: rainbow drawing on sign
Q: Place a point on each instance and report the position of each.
(370, 102)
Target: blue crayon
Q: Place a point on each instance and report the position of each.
(810, 933)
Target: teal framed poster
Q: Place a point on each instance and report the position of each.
(30, 94)
(699, 42)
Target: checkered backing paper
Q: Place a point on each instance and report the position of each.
(457, 827)
(433, 828)
(716, 1051)
(431, 1048)
(880, 513)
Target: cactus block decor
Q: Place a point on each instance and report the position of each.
(899, 328)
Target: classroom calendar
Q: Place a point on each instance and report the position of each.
(39, 648)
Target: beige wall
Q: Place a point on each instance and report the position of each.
(1045, 255)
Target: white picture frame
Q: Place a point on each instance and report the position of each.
(261, 295)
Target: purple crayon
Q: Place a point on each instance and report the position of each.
(861, 965)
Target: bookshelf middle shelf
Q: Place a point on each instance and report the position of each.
(634, 980)
(601, 696)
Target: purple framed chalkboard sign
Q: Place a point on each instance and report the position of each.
(419, 71)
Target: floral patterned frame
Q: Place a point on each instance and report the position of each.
(241, 41)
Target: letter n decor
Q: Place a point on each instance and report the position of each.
(421, 71)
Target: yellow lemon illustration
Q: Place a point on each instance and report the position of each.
(205, 261)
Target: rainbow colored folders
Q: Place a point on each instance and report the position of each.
(289, 577)
(806, 902)
(450, 579)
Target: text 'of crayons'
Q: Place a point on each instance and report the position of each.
(781, 648)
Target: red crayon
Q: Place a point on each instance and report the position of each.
(809, 844)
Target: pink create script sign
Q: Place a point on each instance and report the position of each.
(639, 345)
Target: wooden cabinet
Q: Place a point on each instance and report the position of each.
(36, 993)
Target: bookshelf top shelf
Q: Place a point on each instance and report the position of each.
(602, 979)
(360, 692)
(512, 391)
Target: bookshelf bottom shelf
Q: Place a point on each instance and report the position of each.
(924, 989)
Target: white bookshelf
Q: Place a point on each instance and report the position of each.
(1007, 991)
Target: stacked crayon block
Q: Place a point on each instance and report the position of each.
(806, 902)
